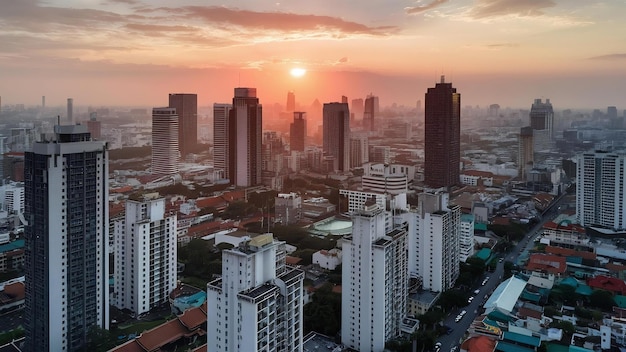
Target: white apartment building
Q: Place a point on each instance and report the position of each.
(384, 178)
(600, 189)
(288, 208)
(257, 303)
(374, 280)
(145, 254)
(13, 197)
(328, 260)
(466, 237)
(165, 152)
(434, 232)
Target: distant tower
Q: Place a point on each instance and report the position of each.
(297, 131)
(221, 152)
(66, 260)
(442, 136)
(245, 138)
(94, 126)
(145, 244)
(344, 99)
(43, 101)
(70, 111)
(494, 110)
(291, 102)
(356, 109)
(542, 117)
(525, 157)
(370, 113)
(336, 134)
(164, 141)
(186, 106)
(359, 150)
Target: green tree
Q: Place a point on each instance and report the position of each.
(238, 210)
(99, 339)
(323, 313)
(602, 299)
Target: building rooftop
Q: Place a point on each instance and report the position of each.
(314, 342)
(17, 244)
(506, 295)
(260, 291)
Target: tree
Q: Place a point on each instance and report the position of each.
(323, 313)
(99, 339)
(238, 210)
(602, 299)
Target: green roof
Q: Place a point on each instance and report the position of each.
(553, 347)
(509, 347)
(530, 296)
(569, 281)
(499, 316)
(523, 339)
(579, 349)
(584, 290)
(574, 259)
(484, 254)
(480, 226)
(620, 301)
(17, 244)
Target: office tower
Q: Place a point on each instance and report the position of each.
(291, 102)
(374, 280)
(466, 237)
(70, 110)
(356, 109)
(164, 141)
(245, 138)
(611, 112)
(380, 154)
(494, 110)
(66, 262)
(434, 231)
(525, 155)
(442, 136)
(273, 151)
(600, 189)
(94, 126)
(43, 102)
(359, 150)
(387, 179)
(297, 131)
(186, 106)
(145, 254)
(257, 304)
(221, 153)
(336, 135)
(370, 113)
(542, 117)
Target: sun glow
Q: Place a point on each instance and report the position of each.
(297, 72)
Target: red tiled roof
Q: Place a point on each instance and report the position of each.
(171, 331)
(479, 344)
(337, 289)
(208, 227)
(289, 260)
(524, 312)
(548, 263)
(130, 346)
(607, 283)
(565, 252)
(16, 290)
(501, 221)
(567, 227)
(615, 267)
(192, 318)
(116, 208)
(123, 189)
(478, 173)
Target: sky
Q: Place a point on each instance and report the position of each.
(133, 52)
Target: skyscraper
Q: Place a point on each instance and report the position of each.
(336, 134)
(542, 117)
(145, 254)
(257, 303)
(221, 153)
(245, 138)
(525, 156)
(70, 110)
(291, 102)
(442, 136)
(356, 109)
(186, 106)
(374, 280)
(600, 189)
(66, 261)
(94, 126)
(370, 112)
(165, 153)
(297, 131)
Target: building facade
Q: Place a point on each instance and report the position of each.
(389, 179)
(370, 112)
(442, 136)
(186, 106)
(145, 254)
(542, 117)
(336, 135)
(525, 155)
(165, 153)
(66, 240)
(374, 281)
(466, 237)
(288, 208)
(245, 138)
(221, 152)
(257, 303)
(297, 132)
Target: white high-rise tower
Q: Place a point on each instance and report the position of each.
(165, 153)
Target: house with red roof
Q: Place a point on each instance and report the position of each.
(611, 284)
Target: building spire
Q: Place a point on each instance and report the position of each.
(443, 78)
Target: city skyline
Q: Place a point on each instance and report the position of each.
(496, 51)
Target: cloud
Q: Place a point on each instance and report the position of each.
(343, 60)
(492, 8)
(501, 45)
(621, 56)
(419, 9)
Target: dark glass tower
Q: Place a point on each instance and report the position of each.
(542, 116)
(336, 135)
(186, 106)
(245, 138)
(442, 142)
(297, 131)
(66, 240)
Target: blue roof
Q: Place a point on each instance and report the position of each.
(620, 301)
(584, 290)
(467, 217)
(530, 296)
(574, 259)
(509, 347)
(569, 281)
(17, 244)
(523, 339)
(480, 226)
(484, 253)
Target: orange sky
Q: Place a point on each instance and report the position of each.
(129, 52)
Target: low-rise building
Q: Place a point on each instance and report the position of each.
(328, 260)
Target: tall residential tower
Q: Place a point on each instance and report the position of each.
(336, 135)
(165, 153)
(186, 106)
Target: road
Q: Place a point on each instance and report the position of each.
(495, 278)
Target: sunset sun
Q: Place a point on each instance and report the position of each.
(297, 72)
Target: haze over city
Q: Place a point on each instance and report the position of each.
(127, 52)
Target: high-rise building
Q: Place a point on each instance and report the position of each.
(186, 106)
(291, 102)
(257, 303)
(370, 113)
(336, 134)
(525, 155)
(43, 102)
(434, 231)
(356, 109)
(374, 280)
(600, 189)
(221, 153)
(288, 208)
(359, 149)
(385, 178)
(245, 138)
(542, 117)
(94, 126)
(297, 131)
(66, 261)
(442, 136)
(380, 154)
(165, 153)
(145, 254)
(70, 110)
(466, 237)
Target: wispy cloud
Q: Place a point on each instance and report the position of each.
(620, 56)
(491, 8)
(501, 45)
(414, 10)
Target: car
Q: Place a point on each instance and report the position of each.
(500, 260)
(454, 349)
(437, 346)
(477, 291)
(469, 300)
